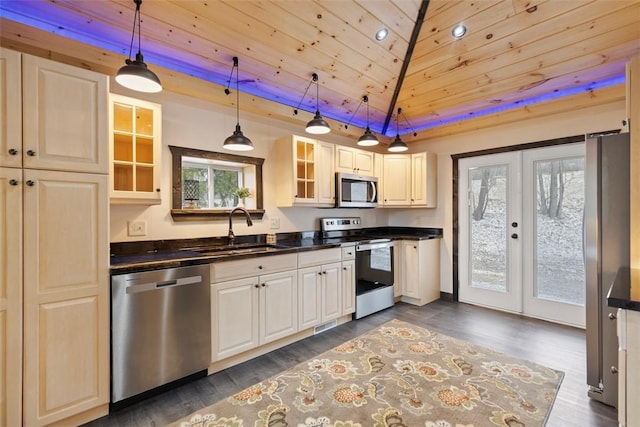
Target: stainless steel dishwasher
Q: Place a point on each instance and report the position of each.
(160, 329)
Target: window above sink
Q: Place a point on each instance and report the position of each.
(204, 183)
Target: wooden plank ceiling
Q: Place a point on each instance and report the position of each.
(520, 58)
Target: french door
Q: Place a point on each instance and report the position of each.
(521, 232)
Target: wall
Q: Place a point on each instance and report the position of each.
(589, 120)
(187, 122)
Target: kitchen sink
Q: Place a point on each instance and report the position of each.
(237, 250)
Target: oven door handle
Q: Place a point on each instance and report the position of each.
(369, 246)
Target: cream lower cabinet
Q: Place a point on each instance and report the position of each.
(251, 311)
(319, 287)
(420, 271)
(628, 324)
(348, 280)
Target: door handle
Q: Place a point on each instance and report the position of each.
(514, 236)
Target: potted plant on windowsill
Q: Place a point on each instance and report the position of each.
(242, 193)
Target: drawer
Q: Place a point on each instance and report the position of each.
(322, 256)
(248, 267)
(349, 252)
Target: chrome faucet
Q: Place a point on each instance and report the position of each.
(232, 236)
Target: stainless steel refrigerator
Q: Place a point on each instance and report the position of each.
(606, 250)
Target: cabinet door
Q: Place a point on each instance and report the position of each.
(353, 160)
(348, 280)
(364, 162)
(397, 180)
(234, 317)
(135, 149)
(419, 179)
(10, 109)
(65, 117)
(326, 176)
(309, 297)
(423, 180)
(305, 170)
(10, 296)
(331, 292)
(66, 295)
(410, 269)
(278, 305)
(397, 268)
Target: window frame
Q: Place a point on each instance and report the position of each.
(180, 214)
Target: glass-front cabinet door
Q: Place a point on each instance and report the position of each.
(135, 150)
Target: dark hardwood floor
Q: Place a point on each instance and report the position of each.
(555, 346)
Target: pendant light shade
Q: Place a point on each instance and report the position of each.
(237, 141)
(135, 75)
(367, 139)
(397, 145)
(317, 125)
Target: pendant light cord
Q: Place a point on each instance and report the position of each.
(314, 78)
(235, 64)
(133, 31)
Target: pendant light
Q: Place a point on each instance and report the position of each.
(367, 139)
(135, 75)
(317, 125)
(237, 141)
(398, 145)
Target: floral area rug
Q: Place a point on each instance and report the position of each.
(396, 375)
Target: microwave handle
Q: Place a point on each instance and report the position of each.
(373, 188)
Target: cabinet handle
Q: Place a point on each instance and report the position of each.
(514, 236)
(264, 285)
(31, 153)
(13, 182)
(256, 286)
(612, 316)
(614, 370)
(319, 273)
(259, 267)
(30, 183)
(13, 151)
(157, 190)
(344, 268)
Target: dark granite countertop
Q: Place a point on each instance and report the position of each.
(130, 257)
(620, 292)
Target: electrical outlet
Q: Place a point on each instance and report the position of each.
(137, 228)
(274, 223)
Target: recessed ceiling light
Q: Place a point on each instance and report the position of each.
(459, 31)
(382, 34)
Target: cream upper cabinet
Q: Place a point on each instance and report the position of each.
(10, 108)
(11, 296)
(420, 271)
(64, 117)
(354, 160)
(305, 172)
(409, 180)
(397, 180)
(423, 180)
(66, 296)
(135, 150)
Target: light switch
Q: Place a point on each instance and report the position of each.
(137, 228)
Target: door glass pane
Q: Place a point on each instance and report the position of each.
(488, 225)
(559, 262)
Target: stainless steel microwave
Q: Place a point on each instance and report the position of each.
(356, 191)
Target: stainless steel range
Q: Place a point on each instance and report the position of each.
(374, 263)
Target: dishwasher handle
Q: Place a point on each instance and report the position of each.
(144, 287)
